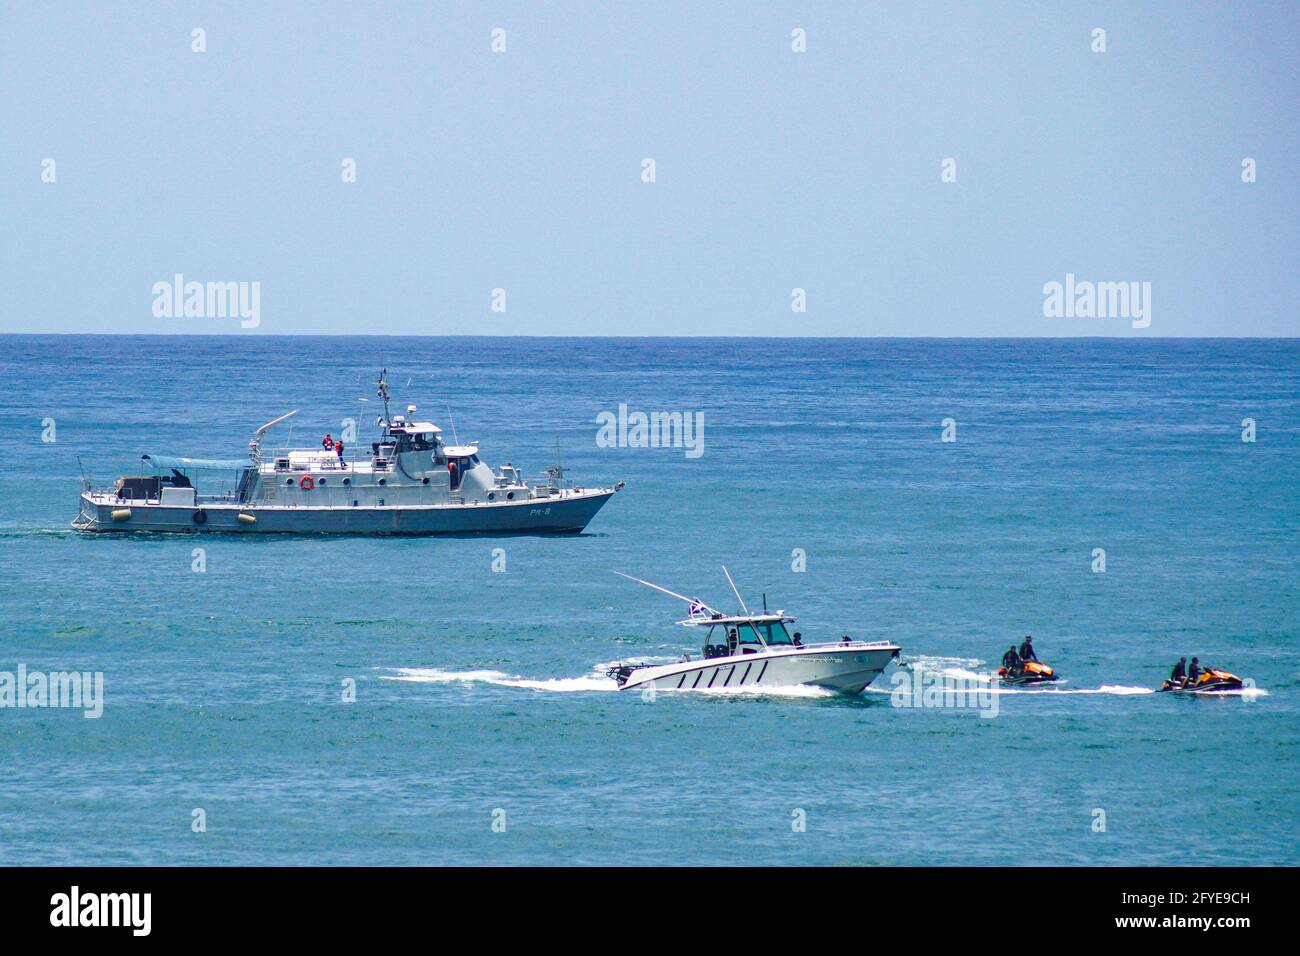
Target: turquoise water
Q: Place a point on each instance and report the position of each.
(479, 691)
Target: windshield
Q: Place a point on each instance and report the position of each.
(773, 634)
(776, 634)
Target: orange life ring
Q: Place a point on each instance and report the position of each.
(307, 483)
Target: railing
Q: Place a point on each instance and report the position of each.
(225, 491)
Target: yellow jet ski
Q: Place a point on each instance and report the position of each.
(1211, 681)
(1031, 672)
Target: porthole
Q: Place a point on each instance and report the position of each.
(492, 496)
(288, 481)
(347, 481)
(510, 496)
(424, 481)
(383, 481)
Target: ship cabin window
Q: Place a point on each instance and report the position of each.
(423, 442)
(774, 634)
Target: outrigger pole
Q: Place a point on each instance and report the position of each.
(679, 597)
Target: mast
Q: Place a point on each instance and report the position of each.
(383, 393)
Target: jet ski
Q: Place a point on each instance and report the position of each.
(1211, 681)
(1031, 672)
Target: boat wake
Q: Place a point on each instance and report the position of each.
(595, 682)
(38, 533)
(964, 669)
(950, 667)
(560, 685)
(1245, 693)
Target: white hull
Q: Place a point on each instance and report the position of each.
(844, 667)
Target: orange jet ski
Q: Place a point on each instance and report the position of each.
(1211, 681)
(1031, 672)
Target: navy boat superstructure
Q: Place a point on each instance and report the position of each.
(409, 482)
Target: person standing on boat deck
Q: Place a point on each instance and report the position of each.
(338, 447)
(327, 443)
(1179, 676)
(1011, 661)
(1027, 650)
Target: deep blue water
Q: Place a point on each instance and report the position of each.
(479, 691)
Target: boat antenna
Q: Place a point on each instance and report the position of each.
(454, 437)
(382, 392)
(556, 472)
(733, 588)
(752, 626)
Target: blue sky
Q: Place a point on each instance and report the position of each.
(775, 170)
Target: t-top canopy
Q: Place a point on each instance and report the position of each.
(703, 621)
(399, 427)
(179, 463)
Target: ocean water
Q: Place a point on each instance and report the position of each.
(480, 696)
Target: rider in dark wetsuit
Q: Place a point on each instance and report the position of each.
(1179, 676)
(1193, 672)
(1027, 649)
(1011, 661)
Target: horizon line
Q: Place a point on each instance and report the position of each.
(811, 338)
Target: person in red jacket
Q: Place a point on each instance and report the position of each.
(338, 447)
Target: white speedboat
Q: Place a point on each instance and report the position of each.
(752, 650)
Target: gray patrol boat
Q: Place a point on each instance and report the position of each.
(411, 483)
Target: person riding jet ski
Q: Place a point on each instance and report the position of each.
(1201, 680)
(1023, 666)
